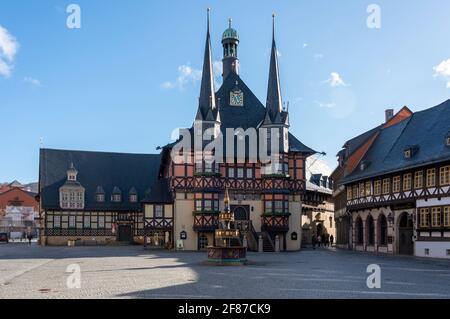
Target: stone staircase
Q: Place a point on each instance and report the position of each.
(268, 245)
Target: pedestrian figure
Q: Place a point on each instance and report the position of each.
(319, 240)
(313, 239)
(324, 241)
(30, 237)
(331, 240)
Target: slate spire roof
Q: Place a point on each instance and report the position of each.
(207, 99)
(274, 104)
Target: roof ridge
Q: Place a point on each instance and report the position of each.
(101, 152)
(433, 107)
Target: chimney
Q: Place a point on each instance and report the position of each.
(389, 114)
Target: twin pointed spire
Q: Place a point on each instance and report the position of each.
(274, 103)
(207, 99)
(207, 110)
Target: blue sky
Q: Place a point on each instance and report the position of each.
(129, 76)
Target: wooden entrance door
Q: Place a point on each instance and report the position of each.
(405, 235)
(241, 212)
(125, 233)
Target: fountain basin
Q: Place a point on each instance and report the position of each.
(235, 255)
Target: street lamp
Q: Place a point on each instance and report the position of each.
(390, 218)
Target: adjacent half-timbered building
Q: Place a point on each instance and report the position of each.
(318, 220)
(164, 202)
(397, 184)
(98, 198)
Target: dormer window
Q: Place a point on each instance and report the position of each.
(100, 198)
(71, 194)
(99, 194)
(364, 165)
(116, 195)
(407, 153)
(72, 173)
(133, 197)
(447, 139)
(410, 151)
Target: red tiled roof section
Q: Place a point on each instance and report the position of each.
(357, 156)
(401, 115)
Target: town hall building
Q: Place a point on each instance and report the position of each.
(155, 200)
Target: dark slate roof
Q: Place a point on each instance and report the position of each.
(296, 146)
(426, 130)
(252, 114)
(249, 115)
(207, 99)
(274, 102)
(356, 142)
(159, 192)
(107, 170)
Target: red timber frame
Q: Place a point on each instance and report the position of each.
(207, 185)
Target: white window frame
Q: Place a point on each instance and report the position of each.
(159, 211)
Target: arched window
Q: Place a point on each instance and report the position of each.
(382, 226)
(359, 231)
(370, 231)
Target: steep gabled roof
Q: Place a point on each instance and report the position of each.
(108, 170)
(426, 130)
(355, 143)
(159, 192)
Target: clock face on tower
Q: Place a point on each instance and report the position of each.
(237, 98)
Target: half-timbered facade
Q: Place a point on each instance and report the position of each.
(97, 197)
(170, 203)
(318, 214)
(398, 192)
(266, 199)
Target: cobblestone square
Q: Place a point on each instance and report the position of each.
(132, 272)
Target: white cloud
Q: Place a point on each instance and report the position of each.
(33, 81)
(297, 100)
(218, 70)
(186, 74)
(443, 71)
(318, 56)
(328, 105)
(5, 69)
(305, 45)
(8, 50)
(335, 80)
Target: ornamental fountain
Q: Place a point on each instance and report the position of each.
(228, 249)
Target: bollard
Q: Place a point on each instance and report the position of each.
(260, 244)
(277, 244)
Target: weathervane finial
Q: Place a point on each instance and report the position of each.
(208, 10)
(229, 22)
